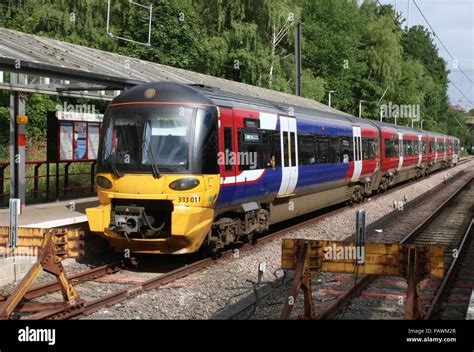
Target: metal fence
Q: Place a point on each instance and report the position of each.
(51, 181)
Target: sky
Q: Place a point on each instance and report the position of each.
(453, 21)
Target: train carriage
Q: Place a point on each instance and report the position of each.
(181, 166)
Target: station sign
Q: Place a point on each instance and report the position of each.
(73, 136)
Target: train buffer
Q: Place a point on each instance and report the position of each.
(310, 257)
(52, 246)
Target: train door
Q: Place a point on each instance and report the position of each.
(420, 150)
(357, 136)
(445, 149)
(400, 151)
(227, 155)
(289, 156)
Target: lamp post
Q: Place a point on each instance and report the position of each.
(331, 92)
(360, 107)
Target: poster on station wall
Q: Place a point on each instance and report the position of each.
(66, 132)
(93, 140)
(80, 141)
(73, 136)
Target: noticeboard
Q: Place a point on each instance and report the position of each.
(73, 136)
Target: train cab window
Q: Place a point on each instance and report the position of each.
(206, 141)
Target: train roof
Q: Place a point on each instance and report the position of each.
(177, 92)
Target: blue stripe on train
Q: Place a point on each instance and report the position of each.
(312, 175)
(266, 188)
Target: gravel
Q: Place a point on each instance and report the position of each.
(203, 294)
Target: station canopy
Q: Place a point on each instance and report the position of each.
(74, 70)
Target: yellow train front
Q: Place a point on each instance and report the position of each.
(157, 172)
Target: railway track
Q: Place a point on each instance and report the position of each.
(451, 226)
(94, 276)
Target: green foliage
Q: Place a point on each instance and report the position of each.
(359, 51)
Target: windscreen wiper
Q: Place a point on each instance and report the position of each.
(154, 167)
(115, 170)
(114, 167)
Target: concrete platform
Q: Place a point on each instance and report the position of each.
(470, 311)
(51, 215)
(14, 269)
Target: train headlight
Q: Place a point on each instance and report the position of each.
(103, 182)
(184, 184)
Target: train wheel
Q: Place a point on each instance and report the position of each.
(383, 186)
(358, 194)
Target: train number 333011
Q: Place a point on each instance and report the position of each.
(189, 199)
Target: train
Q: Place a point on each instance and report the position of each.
(182, 167)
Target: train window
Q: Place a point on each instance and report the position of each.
(369, 148)
(308, 150)
(413, 148)
(347, 149)
(418, 148)
(357, 149)
(205, 140)
(336, 155)
(391, 151)
(293, 149)
(365, 149)
(255, 150)
(407, 148)
(324, 150)
(274, 138)
(398, 147)
(228, 146)
(285, 149)
(424, 147)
